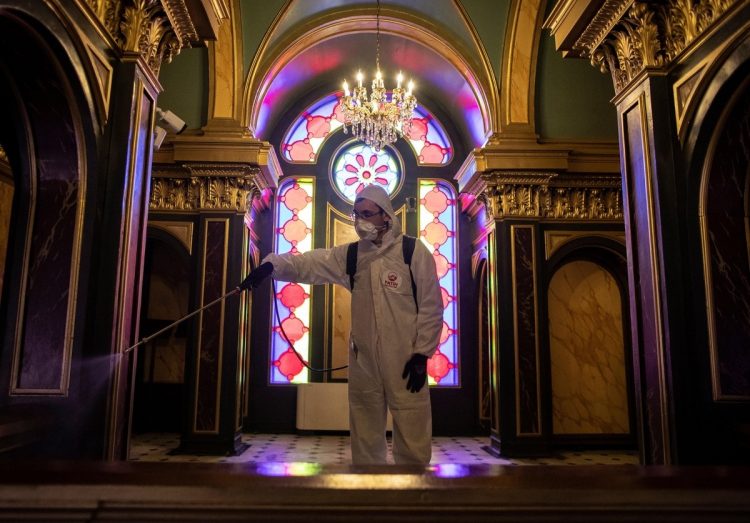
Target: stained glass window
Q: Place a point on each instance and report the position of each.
(310, 130)
(428, 139)
(294, 213)
(357, 165)
(437, 229)
(302, 142)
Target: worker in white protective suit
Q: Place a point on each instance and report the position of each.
(394, 331)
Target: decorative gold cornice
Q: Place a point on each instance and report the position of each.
(199, 187)
(548, 156)
(604, 20)
(234, 146)
(653, 34)
(182, 24)
(545, 195)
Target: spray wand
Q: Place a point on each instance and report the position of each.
(250, 282)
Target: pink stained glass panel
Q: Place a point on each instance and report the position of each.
(293, 234)
(309, 131)
(437, 223)
(292, 296)
(429, 139)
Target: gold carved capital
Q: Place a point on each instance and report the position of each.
(155, 29)
(549, 196)
(653, 34)
(625, 37)
(199, 187)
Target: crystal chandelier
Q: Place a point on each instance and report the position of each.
(378, 120)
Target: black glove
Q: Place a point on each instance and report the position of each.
(416, 370)
(256, 276)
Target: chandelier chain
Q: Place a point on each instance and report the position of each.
(377, 38)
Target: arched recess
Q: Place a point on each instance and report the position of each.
(590, 379)
(472, 66)
(48, 137)
(159, 393)
(518, 69)
(718, 158)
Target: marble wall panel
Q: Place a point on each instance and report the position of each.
(43, 360)
(169, 287)
(211, 325)
(527, 357)
(343, 232)
(728, 252)
(587, 355)
(169, 360)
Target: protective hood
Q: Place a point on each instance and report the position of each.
(377, 194)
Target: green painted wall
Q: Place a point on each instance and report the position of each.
(256, 19)
(572, 97)
(490, 17)
(185, 83)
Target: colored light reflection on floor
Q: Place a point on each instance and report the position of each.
(450, 470)
(288, 469)
(305, 452)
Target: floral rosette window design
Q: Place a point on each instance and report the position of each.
(358, 165)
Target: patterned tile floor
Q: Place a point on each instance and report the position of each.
(334, 450)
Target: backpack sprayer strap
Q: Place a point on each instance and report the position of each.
(408, 244)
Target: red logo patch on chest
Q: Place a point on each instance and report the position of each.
(392, 280)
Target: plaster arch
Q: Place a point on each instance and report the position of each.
(471, 67)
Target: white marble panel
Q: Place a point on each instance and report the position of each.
(589, 390)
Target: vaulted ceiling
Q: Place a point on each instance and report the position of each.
(313, 46)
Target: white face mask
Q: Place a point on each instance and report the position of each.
(366, 230)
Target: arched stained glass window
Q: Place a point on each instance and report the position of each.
(310, 130)
(294, 222)
(302, 142)
(429, 140)
(437, 229)
(357, 165)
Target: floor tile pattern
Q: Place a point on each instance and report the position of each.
(334, 450)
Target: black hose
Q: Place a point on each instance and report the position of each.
(291, 345)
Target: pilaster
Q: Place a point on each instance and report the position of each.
(219, 198)
(516, 207)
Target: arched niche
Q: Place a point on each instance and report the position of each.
(591, 379)
(47, 133)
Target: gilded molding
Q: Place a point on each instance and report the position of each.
(548, 196)
(204, 187)
(604, 20)
(146, 30)
(649, 34)
(178, 15)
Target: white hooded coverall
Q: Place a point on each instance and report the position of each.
(386, 331)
